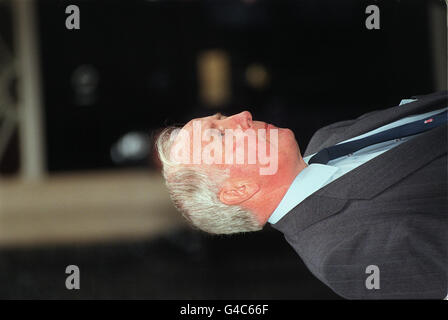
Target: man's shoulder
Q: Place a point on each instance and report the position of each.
(387, 261)
(401, 231)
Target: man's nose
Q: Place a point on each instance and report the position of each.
(244, 119)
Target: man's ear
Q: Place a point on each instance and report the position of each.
(237, 191)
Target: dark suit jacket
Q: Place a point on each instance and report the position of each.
(390, 212)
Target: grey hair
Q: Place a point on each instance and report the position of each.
(194, 192)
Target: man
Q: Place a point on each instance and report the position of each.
(365, 208)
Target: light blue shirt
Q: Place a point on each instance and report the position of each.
(316, 176)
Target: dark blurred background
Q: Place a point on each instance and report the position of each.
(79, 183)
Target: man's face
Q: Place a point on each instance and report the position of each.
(277, 161)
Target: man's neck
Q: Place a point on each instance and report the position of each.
(268, 202)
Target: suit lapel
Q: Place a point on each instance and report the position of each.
(425, 104)
(374, 176)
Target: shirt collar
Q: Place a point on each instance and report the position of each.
(308, 181)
